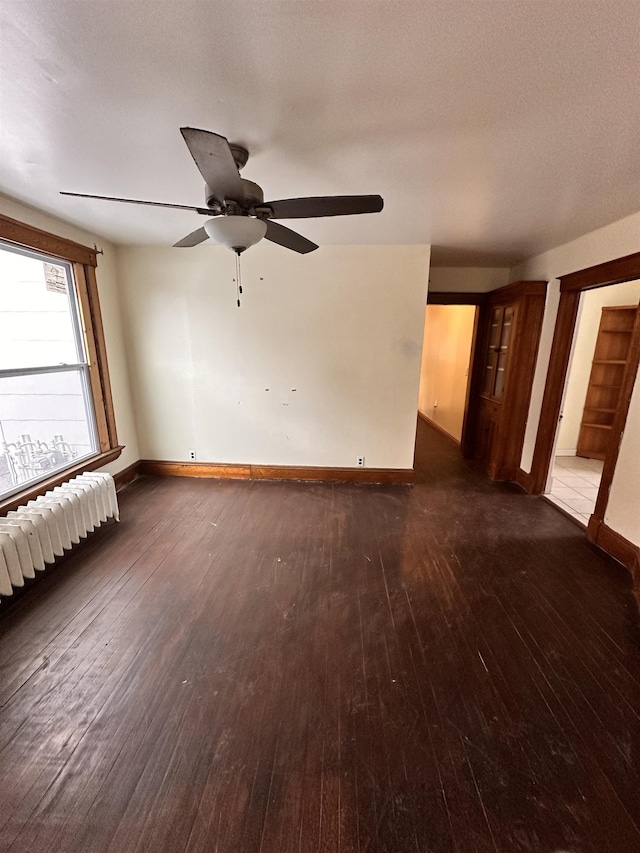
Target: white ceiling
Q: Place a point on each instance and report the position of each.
(493, 129)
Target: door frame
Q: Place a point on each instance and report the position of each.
(478, 299)
(572, 286)
(531, 295)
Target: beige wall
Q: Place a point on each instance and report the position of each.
(614, 241)
(448, 332)
(467, 279)
(623, 510)
(110, 307)
(342, 326)
(591, 304)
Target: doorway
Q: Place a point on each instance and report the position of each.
(572, 285)
(446, 360)
(602, 340)
(495, 411)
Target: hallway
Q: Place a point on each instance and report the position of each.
(269, 667)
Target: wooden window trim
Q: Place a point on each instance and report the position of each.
(83, 261)
(89, 464)
(49, 244)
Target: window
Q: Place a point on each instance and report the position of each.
(56, 415)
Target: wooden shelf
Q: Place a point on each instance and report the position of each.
(609, 362)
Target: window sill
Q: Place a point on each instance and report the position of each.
(59, 477)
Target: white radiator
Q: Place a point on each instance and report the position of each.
(35, 534)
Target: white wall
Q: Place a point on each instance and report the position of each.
(591, 304)
(614, 241)
(342, 326)
(467, 279)
(110, 307)
(623, 509)
(446, 352)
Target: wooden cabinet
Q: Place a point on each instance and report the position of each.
(605, 381)
(503, 366)
(497, 351)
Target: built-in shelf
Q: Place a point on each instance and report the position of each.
(609, 361)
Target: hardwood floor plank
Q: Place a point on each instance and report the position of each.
(272, 667)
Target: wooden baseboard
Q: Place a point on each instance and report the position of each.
(616, 546)
(436, 426)
(161, 468)
(402, 476)
(525, 480)
(127, 475)
(620, 549)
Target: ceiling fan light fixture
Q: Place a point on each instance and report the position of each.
(236, 232)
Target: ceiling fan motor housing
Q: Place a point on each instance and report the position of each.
(253, 196)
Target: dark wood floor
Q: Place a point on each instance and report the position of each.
(275, 667)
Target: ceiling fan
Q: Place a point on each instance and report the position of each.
(238, 215)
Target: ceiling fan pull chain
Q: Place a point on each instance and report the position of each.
(238, 278)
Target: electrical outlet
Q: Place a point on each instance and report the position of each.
(360, 461)
(192, 455)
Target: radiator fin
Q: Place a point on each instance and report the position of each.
(33, 535)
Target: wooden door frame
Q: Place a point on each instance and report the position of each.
(531, 311)
(572, 286)
(477, 299)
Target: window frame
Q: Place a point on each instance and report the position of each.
(83, 262)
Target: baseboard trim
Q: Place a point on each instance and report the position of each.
(437, 427)
(393, 476)
(615, 545)
(160, 468)
(525, 480)
(622, 550)
(127, 475)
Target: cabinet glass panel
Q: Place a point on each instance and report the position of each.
(500, 371)
(496, 323)
(488, 380)
(489, 373)
(501, 364)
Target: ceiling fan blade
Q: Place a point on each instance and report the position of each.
(204, 210)
(214, 159)
(327, 205)
(284, 236)
(192, 239)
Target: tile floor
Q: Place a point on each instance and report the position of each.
(575, 485)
